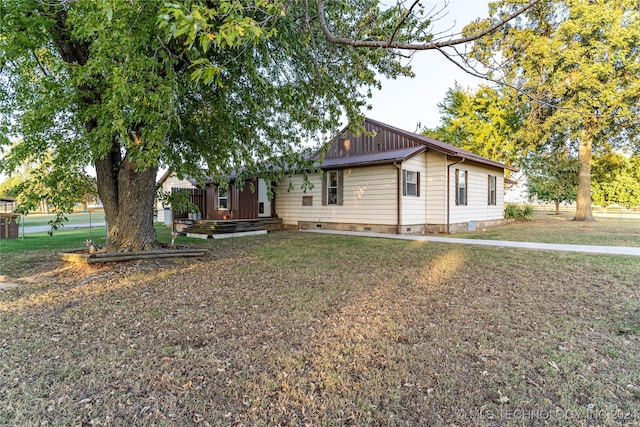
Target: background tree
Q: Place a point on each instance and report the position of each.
(129, 86)
(616, 180)
(577, 65)
(484, 121)
(552, 176)
(45, 185)
(9, 187)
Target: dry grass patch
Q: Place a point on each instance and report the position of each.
(302, 329)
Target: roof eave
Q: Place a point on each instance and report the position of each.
(375, 162)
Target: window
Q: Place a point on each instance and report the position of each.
(332, 187)
(223, 200)
(492, 189)
(410, 183)
(461, 187)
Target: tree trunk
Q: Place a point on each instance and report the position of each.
(128, 198)
(583, 201)
(127, 194)
(557, 208)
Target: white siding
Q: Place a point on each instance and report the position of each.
(477, 208)
(436, 183)
(414, 208)
(369, 196)
(171, 182)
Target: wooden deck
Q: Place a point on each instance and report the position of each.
(211, 227)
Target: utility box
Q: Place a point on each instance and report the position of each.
(168, 216)
(9, 226)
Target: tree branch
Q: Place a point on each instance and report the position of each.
(390, 44)
(404, 18)
(467, 68)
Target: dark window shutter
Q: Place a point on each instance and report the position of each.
(466, 186)
(404, 182)
(340, 187)
(324, 188)
(456, 187)
(489, 190)
(418, 184)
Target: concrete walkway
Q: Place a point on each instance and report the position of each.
(609, 250)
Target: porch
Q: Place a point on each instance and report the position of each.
(210, 228)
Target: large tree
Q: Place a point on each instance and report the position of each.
(130, 86)
(484, 121)
(577, 64)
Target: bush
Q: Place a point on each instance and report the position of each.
(513, 211)
(526, 213)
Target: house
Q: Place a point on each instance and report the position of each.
(170, 181)
(9, 226)
(393, 181)
(385, 180)
(216, 202)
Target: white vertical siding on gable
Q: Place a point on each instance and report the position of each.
(414, 208)
(436, 183)
(174, 182)
(477, 208)
(369, 196)
(171, 182)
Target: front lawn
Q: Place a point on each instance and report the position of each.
(38, 219)
(305, 329)
(550, 228)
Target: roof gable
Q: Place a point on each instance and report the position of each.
(384, 143)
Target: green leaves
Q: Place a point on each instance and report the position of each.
(226, 24)
(188, 85)
(54, 182)
(577, 66)
(616, 180)
(552, 176)
(484, 122)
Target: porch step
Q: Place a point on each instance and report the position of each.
(212, 227)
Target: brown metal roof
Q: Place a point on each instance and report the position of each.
(384, 157)
(442, 147)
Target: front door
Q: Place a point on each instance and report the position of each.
(264, 204)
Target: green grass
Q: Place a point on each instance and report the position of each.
(550, 228)
(59, 240)
(37, 219)
(74, 239)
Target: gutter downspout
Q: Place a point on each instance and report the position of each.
(449, 191)
(399, 197)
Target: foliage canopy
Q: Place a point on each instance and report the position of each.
(577, 65)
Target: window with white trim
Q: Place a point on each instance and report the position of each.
(223, 199)
(332, 191)
(493, 180)
(461, 187)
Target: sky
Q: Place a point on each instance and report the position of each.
(405, 102)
